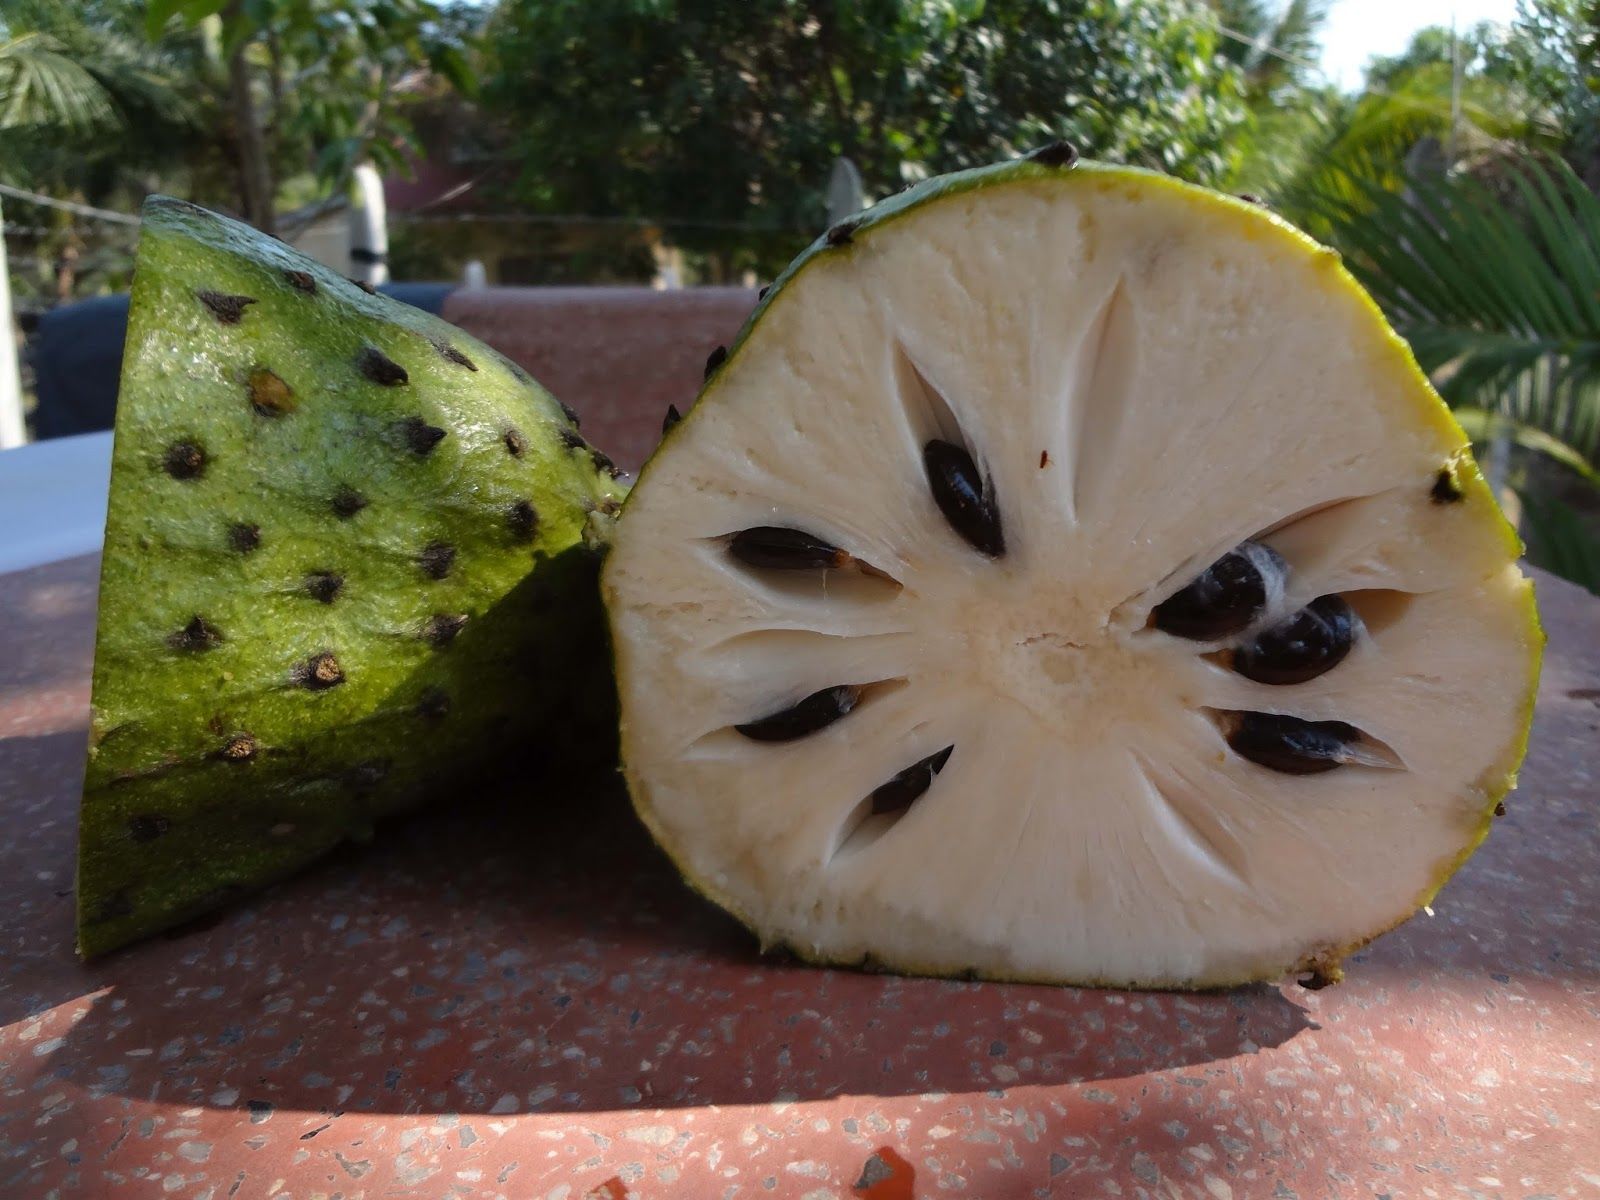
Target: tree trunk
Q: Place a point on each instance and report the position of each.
(255, 172)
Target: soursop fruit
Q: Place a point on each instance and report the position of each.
(350, 562)
(1069, 576)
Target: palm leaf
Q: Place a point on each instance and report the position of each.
(41, 86)
(1496, 288)
(1560, 541)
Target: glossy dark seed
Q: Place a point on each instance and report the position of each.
(1302, 646)
(762, 294)
(420, 436)
(228, 310)
(380, 368)
(147, 827)
(450, 354)
(241, 747)
(198, 634)
(319, 672)
(715, 359)
(324, 586)
(777, 548)
(1252, 198)
(440, 629)
(573, 440)
(1225, 598)
(301, 281)
(522, 519)
(244, 537)
(436, 559)
(672, 418)
(907, 787)
(516, 444)
(184, 460)
(963, 496)
(1446, 488)
(1059, 153)
(1289, 744)
(270, 396)
(346, 502)
(816, 711)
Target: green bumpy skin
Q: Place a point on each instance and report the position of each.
(351, 560)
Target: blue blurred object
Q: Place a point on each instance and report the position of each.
(76, 353)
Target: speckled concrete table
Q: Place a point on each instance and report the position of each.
(524, 1002)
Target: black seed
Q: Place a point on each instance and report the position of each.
(1499, 809)
(244, 537)
(147, 827)
(380, 368)
(451, 354)
(269, 394)
(1044, 459)
(198, 634)
(762, 294)
(184, 460)
(816, 711)
(363, 285)
(516, 444)
(1059, 153)
(420, 436)
(1446, 487)
(522, 519)
(778, 548)
(441, 629)
(906, 787)
(436, 559)
(1252, 198)
(1301, 646)
(672, 418)
(346, 502)
(240, 748)
(1289, 744)
(573, 441)
(715, 359)
(965, 499)
(602, 462)
(1224, 598)
(843, 233)
(365, 776)
(302, 281)
(324, 586)
(319, 672)
(566, 408)
(228, 310)
(433, 704)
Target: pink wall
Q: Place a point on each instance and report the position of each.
(618, 356)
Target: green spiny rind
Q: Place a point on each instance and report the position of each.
(309, 485)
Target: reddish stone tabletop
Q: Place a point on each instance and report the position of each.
(524, 1002)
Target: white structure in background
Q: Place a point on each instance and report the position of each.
(12, 430)
(369, 228)
(475, 278)
(846, 195)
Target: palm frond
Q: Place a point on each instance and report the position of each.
(1560, 541)
(42, 86)
(1495, 285)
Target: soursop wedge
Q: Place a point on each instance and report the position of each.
(1068, 576)
(345, 568)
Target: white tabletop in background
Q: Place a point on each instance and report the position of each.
(53, 499)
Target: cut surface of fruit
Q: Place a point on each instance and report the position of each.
(345, 567)
(1056, 583)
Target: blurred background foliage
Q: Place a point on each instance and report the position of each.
(580, 141)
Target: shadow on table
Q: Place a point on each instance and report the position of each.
(491, 959)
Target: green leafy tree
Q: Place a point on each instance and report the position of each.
(721, 118)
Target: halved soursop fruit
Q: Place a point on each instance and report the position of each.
(345, 567)
(1068, 576)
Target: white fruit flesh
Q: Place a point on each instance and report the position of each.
(1150, 375)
